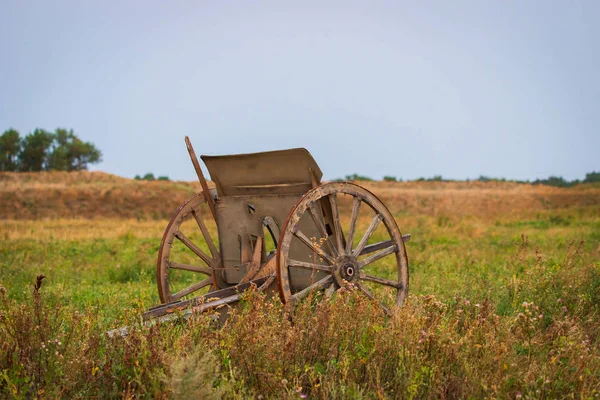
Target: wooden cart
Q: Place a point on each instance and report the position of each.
(280, 228)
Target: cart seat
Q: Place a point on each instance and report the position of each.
(272, 172)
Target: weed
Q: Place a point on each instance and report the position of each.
(504, 302)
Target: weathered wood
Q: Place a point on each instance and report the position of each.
(376, 246)
(353, 218)
(209, 200)
(374, 257)
(171, 307)
(253, 267)
(311, 246)
(337, 229)
(361, 245)
(193, 268)
(245, 248)
(193, 288)
(346, 267)
(382, 245)
(314, 179)
(309, 266)
(167, 253)
(211, 245)
(190, 245)
(317, 219)
(381, 281)
(329, 291)
(319, 285)
(267, 270)
(370, 295)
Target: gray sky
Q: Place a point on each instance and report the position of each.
(458, 88)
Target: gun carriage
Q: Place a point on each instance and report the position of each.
(271, 224)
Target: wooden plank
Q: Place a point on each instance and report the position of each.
(163, 309)
(209, 200)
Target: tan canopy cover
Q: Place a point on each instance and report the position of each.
(270, 172)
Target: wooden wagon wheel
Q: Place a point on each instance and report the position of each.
(334, 260)
(183, 258)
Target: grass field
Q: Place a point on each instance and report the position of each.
(504, 301)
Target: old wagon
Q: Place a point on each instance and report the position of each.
(271, 224)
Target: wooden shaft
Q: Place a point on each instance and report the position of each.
(205, 191)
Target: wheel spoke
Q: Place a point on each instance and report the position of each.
(193, 268)
(374, 257)
(376, 246)
(335, 216)
(298, 233)
(309, 266)
(211, 245)
(371, 296)
(190, 289)
(190, 245)
(367, 236)
(355, 209)
(317, 219)
(381, 281)
(323, 283)
(329, 291)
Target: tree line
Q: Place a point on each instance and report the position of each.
(558, 181)
(42, 150)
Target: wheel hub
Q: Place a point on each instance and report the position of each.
(345, 269)
(348, 270)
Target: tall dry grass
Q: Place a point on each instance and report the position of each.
(505, 301)
(341, 347)
(99, 195)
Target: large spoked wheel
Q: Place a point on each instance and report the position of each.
(369, 256)
(187, 257)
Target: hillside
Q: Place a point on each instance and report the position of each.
(100, 195)
(86, 194)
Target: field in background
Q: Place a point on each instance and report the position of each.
(504, 284)
(83, 194)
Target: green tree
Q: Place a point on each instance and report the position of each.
(83, 153)
(69, 153)
(557, 181)
(10, 147)
(592, 177)
(357, 177)
(35, 150)
(60, 158)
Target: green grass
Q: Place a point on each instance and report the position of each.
(498, 308)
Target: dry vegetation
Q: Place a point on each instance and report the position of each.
(505, 301)
(83, 194)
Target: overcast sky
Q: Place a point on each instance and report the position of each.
(458, 88)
